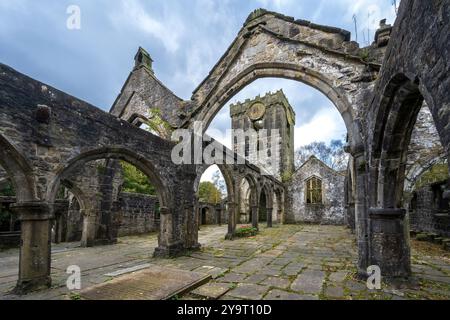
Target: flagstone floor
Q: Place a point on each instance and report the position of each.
(291, 262)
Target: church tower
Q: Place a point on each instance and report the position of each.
(271, 111)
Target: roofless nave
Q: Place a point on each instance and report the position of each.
(47, 136)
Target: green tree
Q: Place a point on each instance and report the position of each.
(6, 188)
(135, 181)
(209, 193)
(157, 125)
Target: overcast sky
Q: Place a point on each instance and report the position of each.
(184, 38)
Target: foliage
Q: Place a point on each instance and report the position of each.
(246, 231)
(7, 190)
(332, 154)
(437, 173)
(157, 125)
(135, 181)
(75, 296)
(364, 55)
(286, 176)
(208, 192)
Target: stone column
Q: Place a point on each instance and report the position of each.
(280, 215)
(361, 215)
(269, 217)
(389, 239)
(255, 217)
(168, 244)
(89, 228)
(232, 208)
(35, 247)
(58, 228)
(351, 216)
(191, 226)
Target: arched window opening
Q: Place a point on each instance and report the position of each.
(212, 192)
(314, 191)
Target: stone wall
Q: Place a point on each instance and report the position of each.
(425, 148)
(426, 215)
(332, 209)
(138, 214)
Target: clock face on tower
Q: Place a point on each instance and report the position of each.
(256, 111)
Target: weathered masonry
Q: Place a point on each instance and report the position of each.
(316, 193)
(47, 136)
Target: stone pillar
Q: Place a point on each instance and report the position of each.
(35, 247)
(219, 215)
(192, 226)
(361, 215)
(269, 217)
(389, 239)
(255, 217)
(232, 208)
(280, 215)
(89, 228)
(351, 216)
(58, 228)
(168, 244)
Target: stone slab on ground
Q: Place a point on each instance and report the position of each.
(128, 270)
(154, 283)
(310, 281)
(215, 272)
(248, 291)
(284, 295)
(212, 291)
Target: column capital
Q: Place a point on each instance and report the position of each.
(32, 211)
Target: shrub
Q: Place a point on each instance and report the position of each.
(246, 231)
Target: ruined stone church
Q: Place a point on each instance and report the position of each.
(62, 156)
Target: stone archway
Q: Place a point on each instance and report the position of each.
(280, 205)
(253, 199)
(389, 230)
(167, 237)
(272, 45)
(265, 205)
(232, 201)
(19, 171)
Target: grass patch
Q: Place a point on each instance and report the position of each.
(246, 231)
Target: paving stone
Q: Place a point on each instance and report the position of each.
(338, 276)
(212, 290)
(214, 272)
(248, 291)
(255, 278)
(233, 277)
(310, 281)
(355, 286)
(270, 272)
(284, 295)
(277, 282)
(334, 292)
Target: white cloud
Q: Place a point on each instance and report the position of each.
(209, 173)
(325, 126)
(369, 13)
(167, 29)
(276, 4)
